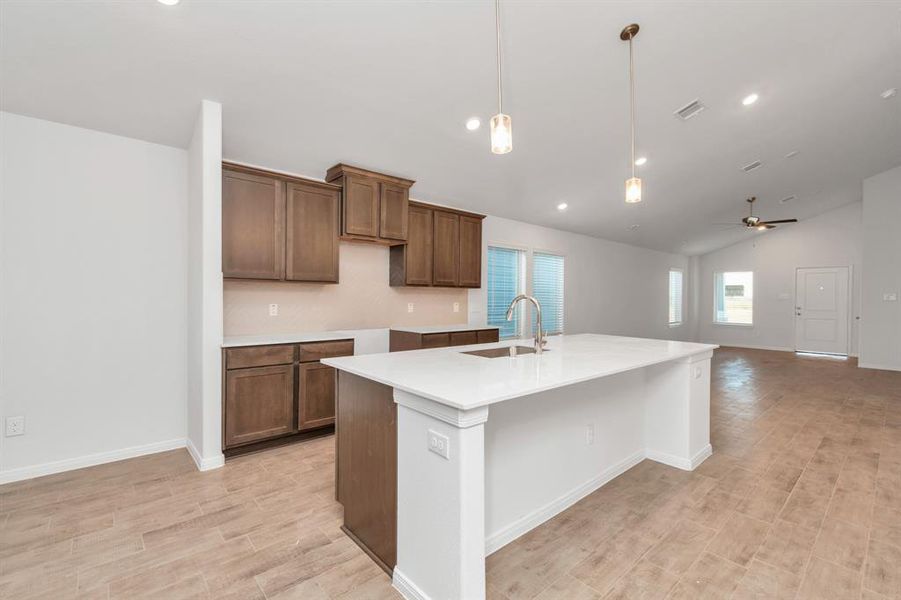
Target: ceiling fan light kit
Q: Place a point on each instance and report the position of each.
(754, 222)
(633, 184)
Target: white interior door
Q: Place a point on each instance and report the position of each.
(821, 310)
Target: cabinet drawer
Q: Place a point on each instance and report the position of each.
(319, 350)
(258, 356)
(462, 338)
(435, 340)
(487, 336)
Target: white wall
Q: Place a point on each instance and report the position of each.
(880, 333)
(608, 287)
(832, 239)
(204, 289)
(94, 282)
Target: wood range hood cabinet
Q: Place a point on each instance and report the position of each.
(443, 249)
(278, 227)
(373, 205)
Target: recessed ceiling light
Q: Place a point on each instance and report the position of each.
(562, 206)
(640, 161)
(169, 2)
(889, 93)
(749, 99)
(473, 124)
(792, 154)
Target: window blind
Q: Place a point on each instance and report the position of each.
(505, 282)
(675, 297)
(547, 287)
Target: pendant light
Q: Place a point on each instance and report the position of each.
(633, 184)
(501, 124)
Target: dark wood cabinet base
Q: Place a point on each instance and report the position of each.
(280, 441)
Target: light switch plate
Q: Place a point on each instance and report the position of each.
(456, 307)
(439, 444)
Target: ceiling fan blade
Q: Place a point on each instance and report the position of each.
(777, 222)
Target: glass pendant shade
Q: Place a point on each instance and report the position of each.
(501, 133)
(633, 190)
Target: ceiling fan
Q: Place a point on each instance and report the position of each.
(755, 222)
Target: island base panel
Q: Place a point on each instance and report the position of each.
(366, 466)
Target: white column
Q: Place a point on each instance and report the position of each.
(440, 501)
(677, 412)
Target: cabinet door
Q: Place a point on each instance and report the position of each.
(447, 248)
(393, 205)
(317, 396)
(361, 206)
(463, 338)
(418, 253)
(253, 226)
(259, 404)
(487, 336)
(312, 234)
(470, 252)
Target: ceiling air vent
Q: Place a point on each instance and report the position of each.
(787, 199)
(752, 166)
(690, 110)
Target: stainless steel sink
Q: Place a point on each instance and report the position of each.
(501, 352)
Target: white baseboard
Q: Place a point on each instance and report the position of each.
(407, 588)
(869, 365)
(686, 464)
(753, 347)
(204, 464)
(537, 517)
(90, 460)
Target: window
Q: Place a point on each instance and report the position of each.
(733, 298)
(505, 282)
(547, 287)
(675, 297)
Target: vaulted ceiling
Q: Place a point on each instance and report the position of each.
(389, 85)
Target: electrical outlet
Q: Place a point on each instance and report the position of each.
(15, 426)
(439, 444)
(409, 307)
(589, 434)
(273, 310)
(456, 307)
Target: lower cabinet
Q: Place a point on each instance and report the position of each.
(400, 339)
(317, 396)
(259, 404)
(278, 391)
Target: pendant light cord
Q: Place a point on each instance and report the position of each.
(632, 105)
(497, 32)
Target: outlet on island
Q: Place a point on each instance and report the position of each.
(439, 444)
(15, 426)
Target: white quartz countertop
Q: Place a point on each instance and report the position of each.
(443, 328)
(284, 338)
(464, 381)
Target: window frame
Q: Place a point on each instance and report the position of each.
(524, 284)
(681, 320)
(527, 276)
(531, 268)
(753, 303)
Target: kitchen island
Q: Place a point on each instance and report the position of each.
(445, 456)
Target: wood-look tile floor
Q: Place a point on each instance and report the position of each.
(802, 499)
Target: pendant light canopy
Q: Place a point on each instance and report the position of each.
(633, 184)
(501, 124)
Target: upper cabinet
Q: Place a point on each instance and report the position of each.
(374, 206)
(278, 227)
(444, 249)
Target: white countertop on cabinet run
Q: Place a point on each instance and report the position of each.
(463, 381)
(234, 341)
(443, 328)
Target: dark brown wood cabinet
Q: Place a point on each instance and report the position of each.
(253, 226)
(317, 396)
(447, 249)
(373, 205)
(311, 246)
(278, 391)
(279, 227)
(400, 340)
(444, 248)
(470, 262)
(259, 404)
